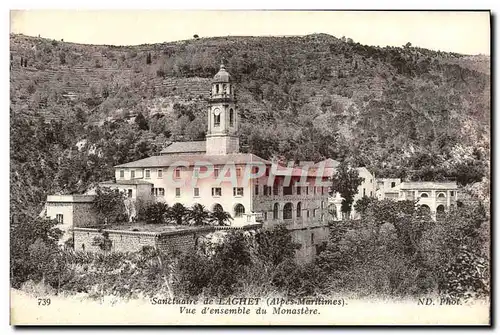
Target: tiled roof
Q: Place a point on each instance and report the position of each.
(327, 163)
(126, 182)
(428, 185)
(192, 159)
(185, 147)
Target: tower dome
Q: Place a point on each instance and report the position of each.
(222, 76)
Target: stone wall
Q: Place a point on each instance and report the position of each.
(122, 241)
(132, 241)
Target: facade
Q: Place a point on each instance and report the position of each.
(69, 211)
(387, 188)
(214, 173)
(436, 196)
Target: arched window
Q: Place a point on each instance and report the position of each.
(216, 117)
(441, 195)
(425, 208)
(424, 195)
(276, 209)
(231, 117)
(440, 209)
(217, 208)
(299, 209)
(239, 210)
(287, 211)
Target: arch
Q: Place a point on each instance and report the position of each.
(276, 211)
(440, 209)
(424, 195)
(287, 211)
(299, 209)
(218, 207)
(442, 195)
(425, 208)
(239, 210)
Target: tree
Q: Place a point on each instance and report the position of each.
(177, 213)
(346, 181)
(33, 248)
(155, 212)
(362, 204)
(109, 205)
(220, 217)
(276, 245)
(198, 215)
(140, 120)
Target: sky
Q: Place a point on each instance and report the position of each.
(462, 32)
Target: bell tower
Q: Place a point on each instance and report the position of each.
(222, 135)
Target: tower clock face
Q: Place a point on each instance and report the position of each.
(216, 111)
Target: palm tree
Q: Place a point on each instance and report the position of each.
(198, 215)
(220, 217)
(177, 213)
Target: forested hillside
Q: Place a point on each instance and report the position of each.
(78, 110)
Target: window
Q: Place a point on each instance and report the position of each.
(159, 192)
(364, 192)
(424, 195)
(314, 213)
(393, 184)
(307, 213)
(238, 172)
(239, 210)
(216, 191)
(371, 193)
(177, 173)
(238, 191)
(312, 238)
(299, 209)
(276, 209)
(122, 173)
(132, 174)
(265, 216)
(307, 190)
(287, 190)
(196, 192)
(287, 211)
(59, 218)
(231, 117)
(159, 173)
(276, 190)
(129, 193)
(147, 174)
(452, 193)
(322, 205)
(177, 192)
(216, 119)
(216, 173)
(299, 190)
(256, 190)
